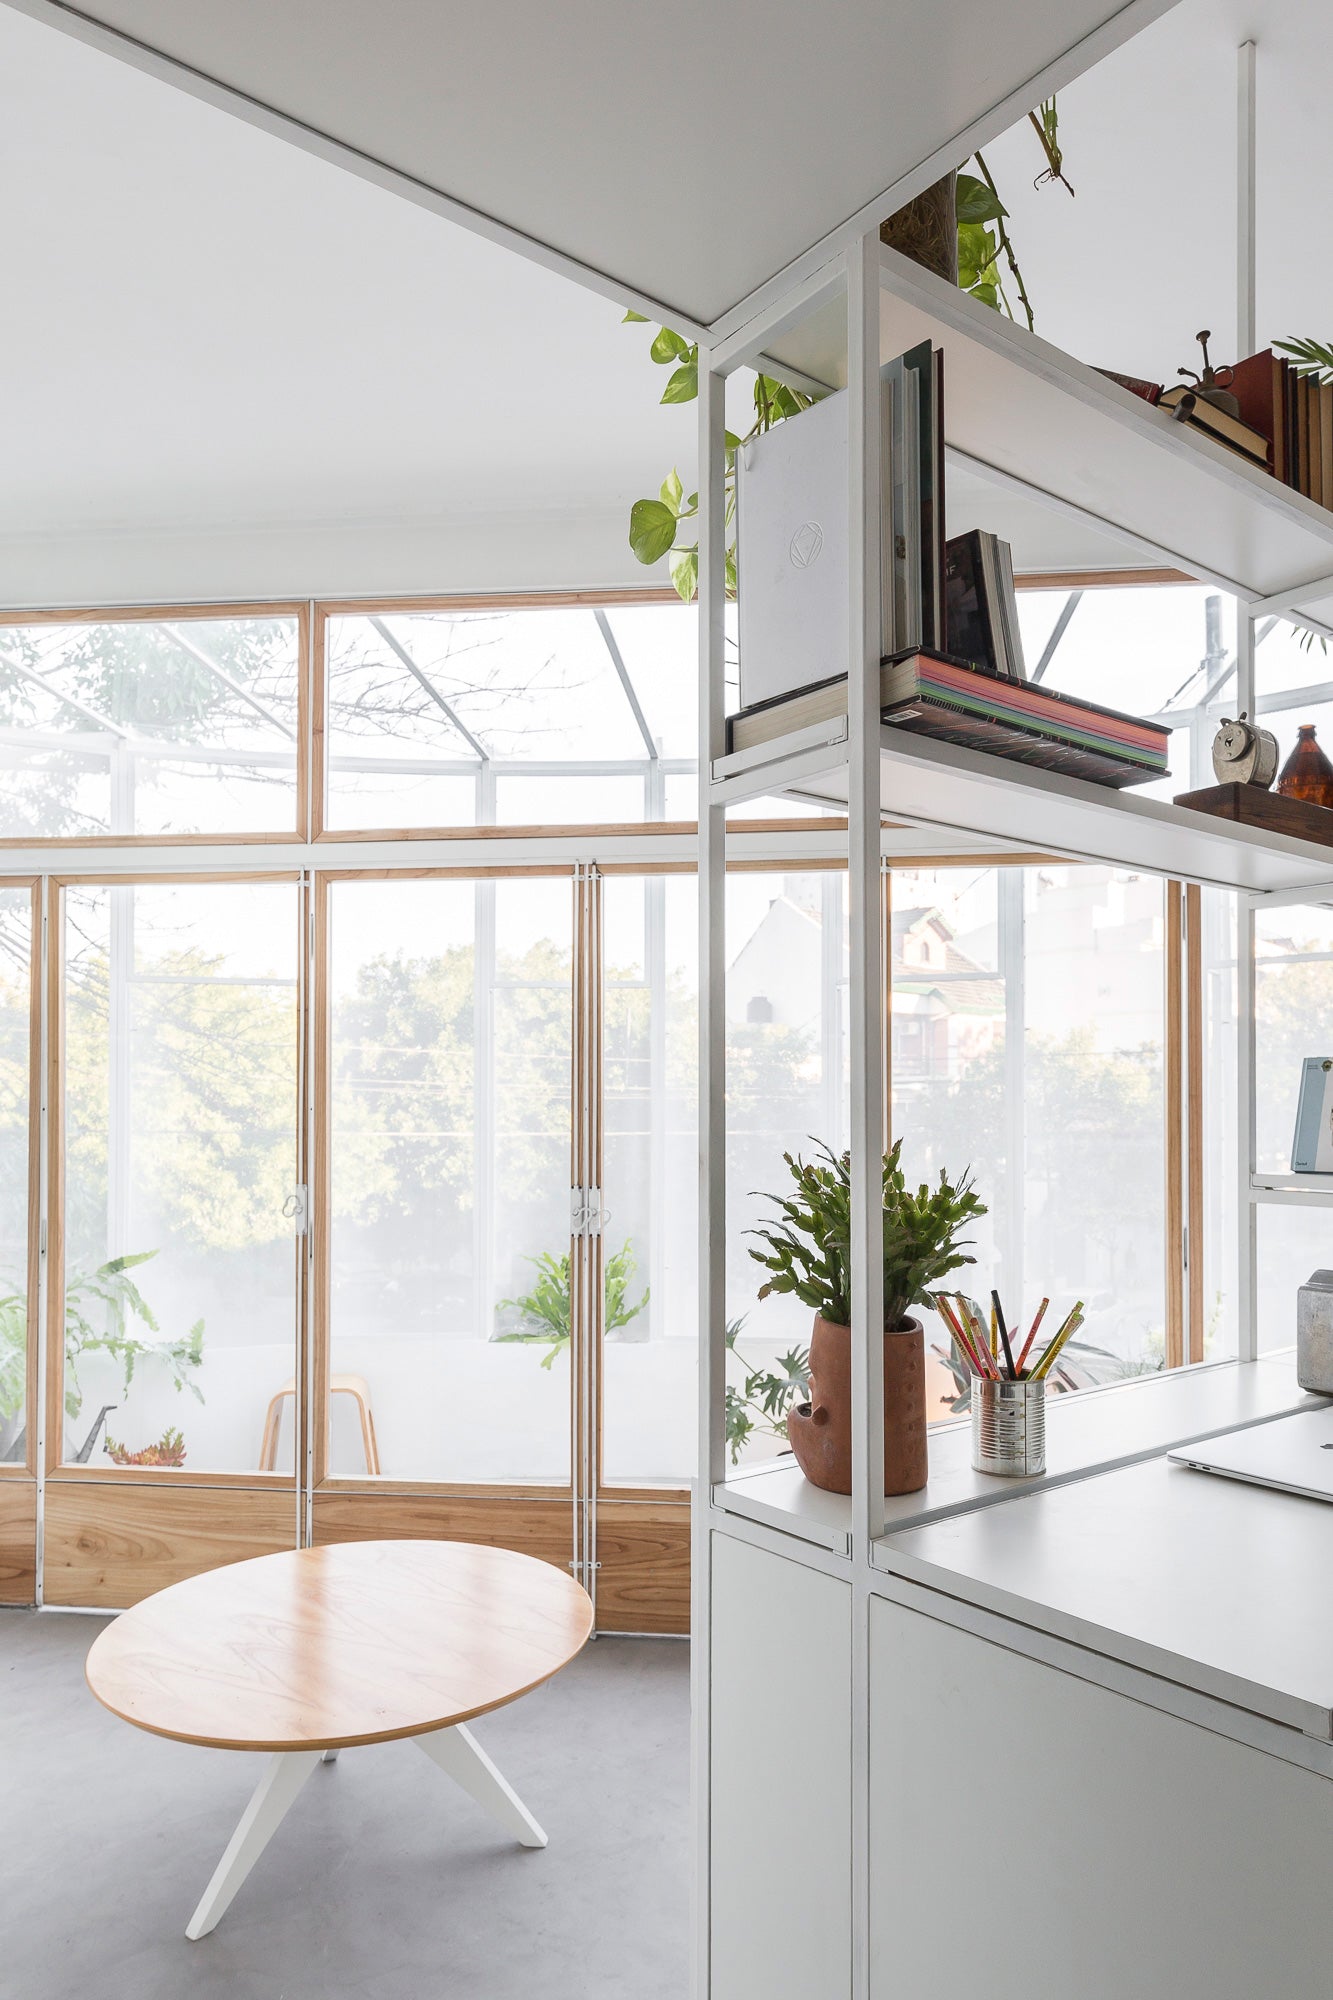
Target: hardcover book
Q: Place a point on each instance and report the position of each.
(933, 694)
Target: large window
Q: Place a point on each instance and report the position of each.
(166, 726)
(16, 952)
(529, 717)
(1029, 1031)
(179, 1043)
(485, 1046)
(449, 1175)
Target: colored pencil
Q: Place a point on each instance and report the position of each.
(1066, 1333)
(997, 1311)
(1032, 1335)
(964, 1340)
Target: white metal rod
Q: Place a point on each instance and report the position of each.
(1246, 338)
(1247, 1234)
(863, 811)
(712, 1126)
(866, 1051)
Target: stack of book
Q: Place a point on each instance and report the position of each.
(981, 610)
(1296, 414)
(1285, 422)
(932, 694)
(1189, 407)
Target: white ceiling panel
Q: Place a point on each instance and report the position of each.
(685, 155)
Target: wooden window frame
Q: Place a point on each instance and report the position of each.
(298, 609)
(56, 1470)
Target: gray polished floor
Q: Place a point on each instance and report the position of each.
(384, 1882)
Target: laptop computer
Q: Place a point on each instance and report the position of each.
(1292, 1454)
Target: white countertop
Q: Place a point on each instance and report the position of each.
(1211, 1583)
(1091, 1432)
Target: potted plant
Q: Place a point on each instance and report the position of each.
(808, 1252)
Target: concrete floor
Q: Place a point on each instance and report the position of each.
(384, 1883)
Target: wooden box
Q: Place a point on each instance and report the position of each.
(1250, 805)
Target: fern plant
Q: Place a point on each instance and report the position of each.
(808, 1252)
(548, 1306)
(760, 1401)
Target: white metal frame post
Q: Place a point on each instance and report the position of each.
(866, 1053)
(1247, 1218)
(712, 1117)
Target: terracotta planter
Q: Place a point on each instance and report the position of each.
(926, 229)
(821, 1430)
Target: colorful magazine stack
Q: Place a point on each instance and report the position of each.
(933, 695)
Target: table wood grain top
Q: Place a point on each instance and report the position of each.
(358, 1642)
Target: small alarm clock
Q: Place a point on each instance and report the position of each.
(1244, 754)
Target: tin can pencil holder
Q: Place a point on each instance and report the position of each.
(1009, 1427)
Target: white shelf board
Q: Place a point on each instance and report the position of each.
(1104, 1428)
(1096, 1431)
(1048, 428)
(927, 783)
(780, 1496)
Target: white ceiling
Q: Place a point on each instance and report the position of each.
(223, 357)
(690, 152)
(205, 327)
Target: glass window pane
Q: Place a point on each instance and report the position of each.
(1161, 650)
(1028, 1032)
(154, 727)
(180, 1037)
(650, 1178)
(450, 1044)
(517, 717)
(15, 990)
(786, 1066)
(1220, 1164)
(1293, 1009)
(1295, 1241)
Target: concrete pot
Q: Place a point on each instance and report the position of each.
(821, 1430)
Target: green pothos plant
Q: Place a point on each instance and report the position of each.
(985, 253)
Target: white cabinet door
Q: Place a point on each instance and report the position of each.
(781, 1778)
(1034, 1837)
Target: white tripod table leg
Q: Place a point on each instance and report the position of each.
(458, 1753)
(273, 1796)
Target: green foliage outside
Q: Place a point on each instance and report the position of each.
(147, 680)
(809, 1250)
(546, 1310)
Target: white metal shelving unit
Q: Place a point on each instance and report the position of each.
(1036, 430)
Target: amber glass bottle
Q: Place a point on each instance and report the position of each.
(1307, 773)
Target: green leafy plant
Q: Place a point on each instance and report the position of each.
(88, 1331)
(760, 1401)
(1308, 357)
(548, 1306)
(983, 241)
(654, 525)
(111, 1287)
(809, 1251)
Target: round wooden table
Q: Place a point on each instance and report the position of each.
(309, 1652)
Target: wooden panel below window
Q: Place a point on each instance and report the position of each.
(18, 1541)
(643, 1584)
(542, 1528)
(109, 1545)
